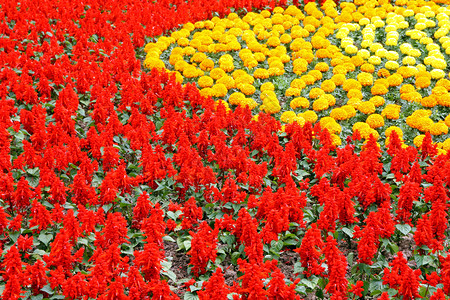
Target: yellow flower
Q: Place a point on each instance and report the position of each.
(246, 88)
(205, 81)
(315, 93)
(328, 86)
(287, 116)
(351, 84)
(350, 110)
(354, 93)
(236, 98)
(154, 63)
(292, 92)
(320, 104)
(391, 129)
(365, 79)
(267, 86)
(309, 116)
(377, 101)
(429, 101)
(395, 80)
(206, 65)
(423, 82)
(418, 140)
(339, 114)
(379, 89)
(299, 102)
(321, 66)
(439, 128)
(375, 121)
(366, 107)
(391, 111)
(261, 73)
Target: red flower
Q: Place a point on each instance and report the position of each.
(357, 288)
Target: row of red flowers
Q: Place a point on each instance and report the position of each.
(103, 164)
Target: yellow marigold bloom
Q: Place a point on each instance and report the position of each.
(444, 100)
(261, 73)
(350, 110)
(267, 86)
(285, 39)
(444, 83)
(328, 86)
(395, 80)
(407, 88)
(365, 79)
(330, 124)
(299, 102)
(423, 82)
(340, 69)
(354, 93)
(198, 57)
(192, 72)
(375, 121)
(273, 41)
(219, 90)
(379, 89)
(429, 101)
(377, 101)
(407, 72)
(206, 92)
(374, 60)
(316, 93)
(154, 63)
(271, 105)
(338, 79)
(246, 78)
(418, 140)
(359, 126)
(336, 140)
(446, 145)
(330, 98)
(320, 104)
(236, 98)
(391, 129)
(298, 83)
(207, 65)
(246, 88)
(309, 116)
(292, 92)
(351, 84)
(339, 114)
(316, 74)
(391, 111)
(366, 107)
(424, 124)
(322, 67)
(276, 71)
(439, 128)
(287, 116)
(205, 81)
(437, 74)
(228, 81)
(308, 79)
(367, 68)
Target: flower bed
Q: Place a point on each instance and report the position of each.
(119, 183)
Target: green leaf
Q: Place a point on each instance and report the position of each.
(47, 289)
(45, 238)
(187, 245)
(14, 236)
(348, 231)
(403, 228)
(168, 238)
(190, 296)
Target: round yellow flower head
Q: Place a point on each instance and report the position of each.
(299, 102)
(320, 104)
(375, 121)
(339, 114)
(366, 107)
(439, 128)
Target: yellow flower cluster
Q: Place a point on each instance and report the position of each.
(243, 61)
